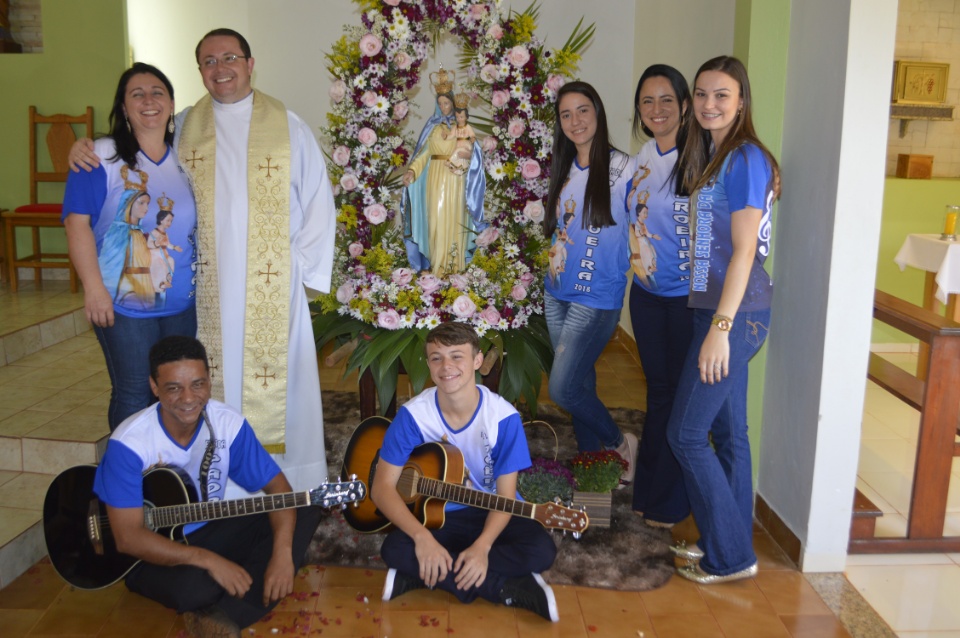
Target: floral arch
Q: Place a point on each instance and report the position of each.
(377, 300)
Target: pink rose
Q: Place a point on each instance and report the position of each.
(369, 98)
(499, 98)
(477, 11)
(490, 73)
(402, 276)
(554, 82)
(489, 144)
(526, 279)
(349, 182)
(428, 283)
(488, 236)
(388, 319)
(518, 56)
(338, 91)
(515, 128)
(529, 169)
(341, 155)
(359, 271)
(345, 293)
(490, 315)
(519, 293)
(367, 136)
(392, 3)
(458, 281)
(463, 307)
(495, 32)
(534, 210)
(355, 249)
(375, 213)
(400, 110)
(402, 60)
(370, 45)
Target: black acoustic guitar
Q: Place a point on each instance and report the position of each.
(432, 476)
(77, 530)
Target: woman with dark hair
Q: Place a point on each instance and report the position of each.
(733, 180)
(588, 221)
(662, 322)
(105, 211)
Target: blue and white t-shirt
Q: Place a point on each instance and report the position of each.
(588, 265)
(660, 226)
(492, 443)
(144, 223)
(141, 443)
(745, 179)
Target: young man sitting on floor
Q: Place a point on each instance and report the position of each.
(232, 571)
(477, 552)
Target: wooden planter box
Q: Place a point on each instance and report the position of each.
(598, 505)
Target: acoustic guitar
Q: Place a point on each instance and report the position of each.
(77, 530)
(434, 475)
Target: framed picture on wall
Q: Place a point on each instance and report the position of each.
(916, 82)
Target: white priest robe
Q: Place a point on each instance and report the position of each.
(312, 234)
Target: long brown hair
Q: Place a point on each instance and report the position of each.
(596, 205)
(696, 166)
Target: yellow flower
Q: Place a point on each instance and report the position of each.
(348, 216)
(523, 27)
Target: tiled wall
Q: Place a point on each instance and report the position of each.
(25, 25)
(929, 30)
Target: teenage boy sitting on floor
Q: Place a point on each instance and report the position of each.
(477, 552)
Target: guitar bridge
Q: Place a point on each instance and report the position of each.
(93, 526)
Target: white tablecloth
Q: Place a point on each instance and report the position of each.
(930, 253)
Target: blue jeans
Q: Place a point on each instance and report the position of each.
(719, 480)
(578, 335)
(126, 347)
(663, 329)
(522, 548)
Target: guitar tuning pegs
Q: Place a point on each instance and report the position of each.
(577, 535)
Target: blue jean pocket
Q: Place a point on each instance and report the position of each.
(756, 332)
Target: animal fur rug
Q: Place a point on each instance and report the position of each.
(629, 555)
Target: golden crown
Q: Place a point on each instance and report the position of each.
(133, 186)
(165, 203)
(461, 100)
(442, 80)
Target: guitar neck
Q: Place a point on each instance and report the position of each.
(476, 498)
(172, 515)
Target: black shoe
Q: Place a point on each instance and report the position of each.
(398, 583)
(210, 622)
(531, 593)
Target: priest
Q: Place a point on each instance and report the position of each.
(265, 232)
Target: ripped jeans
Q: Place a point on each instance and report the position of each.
(578, 335)
(718, 477)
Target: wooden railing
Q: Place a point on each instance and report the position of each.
(938, 399)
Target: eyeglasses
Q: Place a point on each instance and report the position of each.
(228, 60)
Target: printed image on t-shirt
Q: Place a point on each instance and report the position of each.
(560, 240)
(136, 264)
(643, 252)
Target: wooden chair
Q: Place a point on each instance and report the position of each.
(35, 215)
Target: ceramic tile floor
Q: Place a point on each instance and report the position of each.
(345, 602)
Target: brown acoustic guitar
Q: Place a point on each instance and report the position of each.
(432, 476)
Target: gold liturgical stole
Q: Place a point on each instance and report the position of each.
(267, 315)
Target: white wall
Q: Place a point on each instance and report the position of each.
(289, 39)
(826, 249)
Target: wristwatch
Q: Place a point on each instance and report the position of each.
(722, 323)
